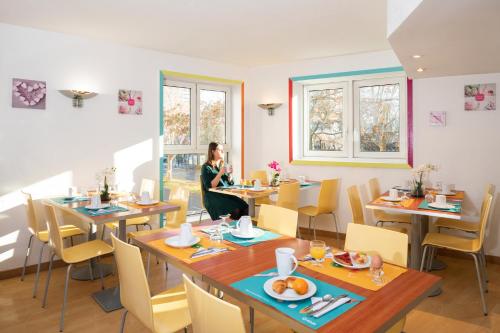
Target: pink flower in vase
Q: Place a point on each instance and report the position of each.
(131, 101)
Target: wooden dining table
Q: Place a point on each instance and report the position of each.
(419, 219)
(249, 194)
(379, 311)
(109, 299)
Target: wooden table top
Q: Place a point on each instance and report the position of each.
(411, 207)
(133, 211)
(380, 310)
(248, 193)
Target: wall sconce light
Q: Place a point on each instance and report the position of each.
(78, 96)
(270, 107)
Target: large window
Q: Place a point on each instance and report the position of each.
(353, 118)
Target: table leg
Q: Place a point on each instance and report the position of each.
(83, 273)
(419, 228)
(109, 299)
(251, 207)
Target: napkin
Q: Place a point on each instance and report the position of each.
(318, 303)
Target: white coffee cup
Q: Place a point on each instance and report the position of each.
(95, 201)
(186, 233)
(257, 185)
(447, 188)
(145, 197)
(285, 261)
(70, 192)
(302, 179)
(441, 200)
(245, 226)
(393, 193)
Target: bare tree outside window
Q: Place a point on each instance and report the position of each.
(326, 120)
(177, 115)
(212, 116)
(379, 118)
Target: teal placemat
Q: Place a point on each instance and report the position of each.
(306, 185)
(457, 207)
(253, 286)
(63, 200)
(268, 235)
(103, 211)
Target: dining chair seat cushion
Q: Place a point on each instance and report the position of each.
(67, 230)
(452, 242)
(86, 251)
(135, 221)
(396, 228)
(393, 217)
(457, 225)
(309, 210)
(170, 310)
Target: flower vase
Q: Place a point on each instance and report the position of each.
(417, 190)
(275, 180)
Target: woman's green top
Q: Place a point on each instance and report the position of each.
(218, 204)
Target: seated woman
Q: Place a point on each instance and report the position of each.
(213, 174)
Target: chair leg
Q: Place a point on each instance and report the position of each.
(149, 225)
(483, 257)
(430, 258)
(314, 227)
(423, 258)
(61, 321)
(44, 303)
(103, 231)
(309, 225)
(480, 281)
(336, 229)
(91, 271)
(148, 264)
(37, 276)
(71, 240)
(122, 324)
(28, 252)
(252, 319)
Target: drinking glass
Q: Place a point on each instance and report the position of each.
(217, 234)
(377, 274)
(317, 250)
(229, 168)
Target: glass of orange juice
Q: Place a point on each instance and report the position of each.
(317, 249)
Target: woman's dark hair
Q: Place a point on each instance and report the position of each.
(210, 155)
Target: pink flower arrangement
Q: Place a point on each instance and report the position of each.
(274, 165)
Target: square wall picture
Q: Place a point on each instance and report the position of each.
(28, 94)
(480, 97)
(129, 101)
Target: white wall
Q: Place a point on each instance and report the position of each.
(45, 151)
(466, 150)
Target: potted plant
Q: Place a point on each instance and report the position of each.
(419, 173)
(275, 172)
(108, 174)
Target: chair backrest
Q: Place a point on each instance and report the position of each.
(374, 186)
(33, 226)
(202, 189)
(55, 238)
(490, 189)
(483, 220)
(148, 185)
(327, 200)
(288, 195)
(391, 245)
(356, 206)
(261, 175)
(278, 219)
(212, 314)
(134, 288)
(178, 196)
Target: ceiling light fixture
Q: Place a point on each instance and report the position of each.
(270, 107)
(420, 69)
(416, 56)
(78, 96)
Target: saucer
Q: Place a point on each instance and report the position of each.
(391, 199)
(440, 206)
(256, 233)
(89, 207)
(147, 203)
(447, 193)
(175, 241)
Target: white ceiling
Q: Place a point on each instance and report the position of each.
(454, 37)
(244, 32)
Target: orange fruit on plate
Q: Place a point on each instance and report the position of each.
(300, 286)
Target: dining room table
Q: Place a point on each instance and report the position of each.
(420, 212)
(108, 299)
(250, 194)
(243, 267)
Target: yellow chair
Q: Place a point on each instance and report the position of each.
(202, 193)
(67, 231)
(147, 185)
(165, 312)
(380, 215)
(461, 225)
(71, 255)
(392, 247)
(278, 219)
(288, 196)
(262, 176)
(210, 313)
(357, 209)
(327, 204)
(471, 246)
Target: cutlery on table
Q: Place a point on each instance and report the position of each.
(210, 250)
(267, 274)
(308, 308)
(331, 301)
(349, 301)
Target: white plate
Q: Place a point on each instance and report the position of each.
(253, 189)
(256, 233)
(402, 188)
(448, 193)
(69, 198)
(354, 264)
(438, 206)
(174, 241)
(147, 203)
(96, 208)
(288, 294)
(391, 199)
